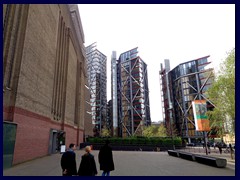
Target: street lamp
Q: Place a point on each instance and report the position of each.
(170, 113)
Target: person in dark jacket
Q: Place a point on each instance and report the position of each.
(87, 166)
(231, 150)
(105, 159)
(219, 147)
(208, 146)
(68, 161)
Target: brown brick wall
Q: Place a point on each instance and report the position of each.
(71, 85)
(35, 86)
(28, 101)
(88, 126)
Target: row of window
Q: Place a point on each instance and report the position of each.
(128, 55)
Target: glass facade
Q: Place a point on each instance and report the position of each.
(187, 82)
(97, 80)
(132, 93)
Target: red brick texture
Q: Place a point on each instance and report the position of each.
(72, 135)
(33, 133)
(8, 113)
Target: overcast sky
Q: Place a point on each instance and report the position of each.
(179, 33)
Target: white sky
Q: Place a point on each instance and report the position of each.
(179, 33)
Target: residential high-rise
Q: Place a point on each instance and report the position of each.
(97, 80)
(132, 94)
(185, 83)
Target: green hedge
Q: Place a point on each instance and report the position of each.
(138, 140)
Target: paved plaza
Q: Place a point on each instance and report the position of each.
(129, 163)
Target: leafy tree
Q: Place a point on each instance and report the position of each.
(149, 131)
(162, 132)
(171, 130)
(222, 94)
(106, 132)
(155, 131)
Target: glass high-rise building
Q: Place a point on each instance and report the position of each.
(180, 86)
(97, 80)
(133, 110)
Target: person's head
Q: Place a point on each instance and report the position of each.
(72, 146)
(88, 149)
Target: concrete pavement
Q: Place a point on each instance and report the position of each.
(127, 163)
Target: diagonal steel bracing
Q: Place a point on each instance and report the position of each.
(133, 96)
(198, 93)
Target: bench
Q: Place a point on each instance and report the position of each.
(212, 161)
(186, 155)
(173, 153)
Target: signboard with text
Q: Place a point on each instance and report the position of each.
(200, 117)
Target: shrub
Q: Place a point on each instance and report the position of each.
(162, 141)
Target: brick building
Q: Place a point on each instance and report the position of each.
(44, 92)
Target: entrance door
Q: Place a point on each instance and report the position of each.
(56, 139)
(52, 141)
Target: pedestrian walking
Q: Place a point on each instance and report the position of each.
(105, 159)
(68, 161)
(219, 147)
(87, 166)
(208, 146)
(231, 150)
